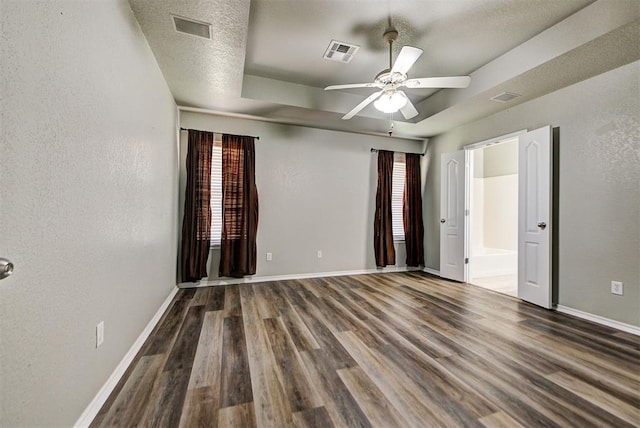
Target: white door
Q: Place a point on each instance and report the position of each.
(452, 179)
(534, 217)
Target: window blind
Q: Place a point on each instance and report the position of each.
(216, 191)
(397, 196)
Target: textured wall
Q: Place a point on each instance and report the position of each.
(500, 159)
(317, 192)
(88, 192)
(501, 212)
(599, 200)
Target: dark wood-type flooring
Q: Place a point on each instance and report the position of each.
(385, 350)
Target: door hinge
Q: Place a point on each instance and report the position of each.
(466, 212)
(466, 260)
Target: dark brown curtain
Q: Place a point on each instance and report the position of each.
(239, 207)
(383, 232)
(196, 224)
(412, 212)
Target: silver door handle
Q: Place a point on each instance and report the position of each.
(542, 225)
(442, 220)
(6, 268)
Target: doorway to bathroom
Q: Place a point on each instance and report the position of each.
(493, 216)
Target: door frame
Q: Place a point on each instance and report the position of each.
(468, 149)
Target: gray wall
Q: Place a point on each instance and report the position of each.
(599, 188)
(316, 191)
(500, 159)
(496, 160)
(88, 173)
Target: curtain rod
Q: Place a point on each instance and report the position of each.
(406, 153)
(187, 129)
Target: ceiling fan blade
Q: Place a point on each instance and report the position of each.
(409, 110)
(362, 105)
(439, 82)
(408, 56)
(354, 85)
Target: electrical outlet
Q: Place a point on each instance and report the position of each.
(319, 254)
(269, 257)
(617, 288)
(99, 334)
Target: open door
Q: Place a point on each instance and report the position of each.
(534, 217)
(452, 179)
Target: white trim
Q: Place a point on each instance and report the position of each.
(599, 320)
(291, 123)
(494, 140)
(98, 401)
(432, 271)
(254, 279)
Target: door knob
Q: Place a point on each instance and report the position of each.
(6, 268)
(442, 220)
(542, 225)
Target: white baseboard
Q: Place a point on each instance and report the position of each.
(432, 271)
(599, 320)
(254, 279)
(96, 404)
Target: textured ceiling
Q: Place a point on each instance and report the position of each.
(265, 59)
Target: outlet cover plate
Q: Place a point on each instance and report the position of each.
(617, 288)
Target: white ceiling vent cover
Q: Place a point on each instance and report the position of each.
(191, 27)
(340, 51)
(505, 97)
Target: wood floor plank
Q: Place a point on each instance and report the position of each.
(462, 403)
(392, 384)
(203, 391)
(240, 416)
(207, 362)
(235, 380)
(373, 403)
(312, 418)
(358, 327)
(200, 408)
(264, 298)
(216, 298)
(340, 404)
(167, 399)
(298, 388)
(131, 403)
(300, 334)
(271, 405)
(200, 296)
(611, 404)
(232, 305)
(499, 420)
(316, 323)
(163, 335)
(184, 348)
(393, 349)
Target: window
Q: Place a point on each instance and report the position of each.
(397, 196)
(216, 191)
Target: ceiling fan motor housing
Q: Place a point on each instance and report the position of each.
(386, 77)
(390, 36)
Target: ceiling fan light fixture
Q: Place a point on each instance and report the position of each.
(391, 102)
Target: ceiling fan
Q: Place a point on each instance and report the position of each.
(390, 99)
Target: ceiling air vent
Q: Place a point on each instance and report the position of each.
(191, 27)
(505, 97)
(340, 51)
